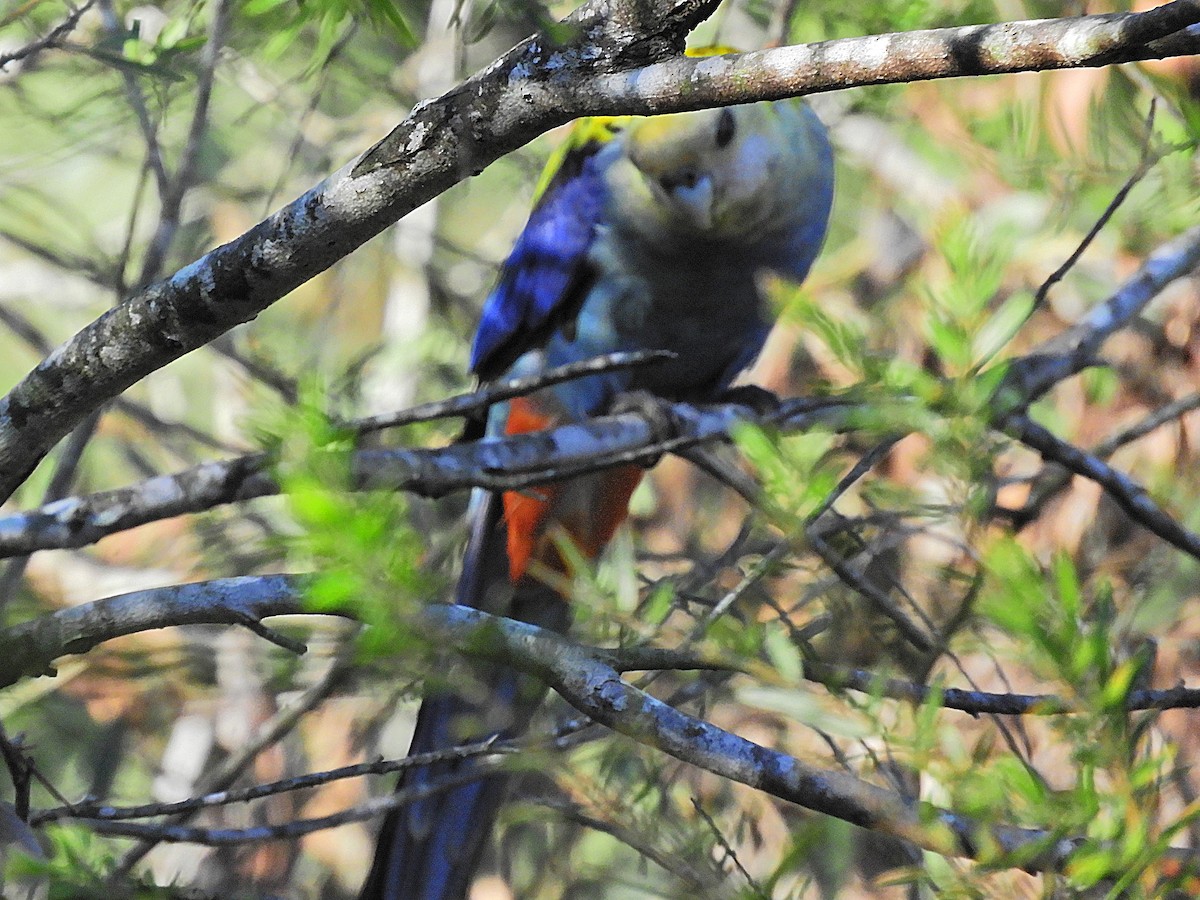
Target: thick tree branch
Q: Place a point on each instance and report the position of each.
(534, 87)
(30, 647)
(1002, 48)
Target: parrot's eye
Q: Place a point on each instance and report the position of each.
(725, 128)
(685, 178)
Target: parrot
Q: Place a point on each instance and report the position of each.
(647, 233)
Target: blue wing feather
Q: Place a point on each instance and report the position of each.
(547, 266)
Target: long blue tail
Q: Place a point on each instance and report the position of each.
(429, 850)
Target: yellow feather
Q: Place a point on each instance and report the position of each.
(601, 129)
(711, 50)
(592, 130)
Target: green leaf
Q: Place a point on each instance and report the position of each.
(784, 656)
(481, 23)
(659, 604)
(1066, 584)
(1116, 688)
(1001, 327)
(1087, 867)
(173, 32)
(261, 7)
(389, 12)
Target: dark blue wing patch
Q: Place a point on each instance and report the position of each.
(546, 274)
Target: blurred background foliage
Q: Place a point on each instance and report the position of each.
(955, 201)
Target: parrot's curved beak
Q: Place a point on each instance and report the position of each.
(695, 200)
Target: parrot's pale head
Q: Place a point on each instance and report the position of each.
(721, 175)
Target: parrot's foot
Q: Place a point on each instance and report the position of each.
(658, 413)
(764, 403)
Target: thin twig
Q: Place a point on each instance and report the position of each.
(1069, 353)
(50, 39)
(1145, 164)
(137, 102)
(172, 198)
(638, 839)
(1128, 494)
(978, 702)
(727, 849)
(20, 768)
(498, 391)
(1051, 480)
(925, 642)
(169, 832)
(107, 812)
(269, 733)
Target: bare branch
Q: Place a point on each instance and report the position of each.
(30, 647)
(1129, 495)
(1003, 48)
(506, 389)
(50, 39)
(78, 521)
(109, 813)
(168, 832)
(1051, 480)
(985, 702)
(1075, 349)
(33, 336)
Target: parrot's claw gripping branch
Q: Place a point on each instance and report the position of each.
(657, 413)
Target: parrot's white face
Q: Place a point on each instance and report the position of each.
(719, 175)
